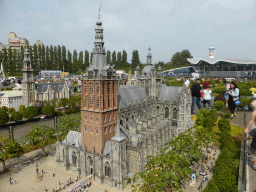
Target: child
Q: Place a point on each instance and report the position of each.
(207, 97)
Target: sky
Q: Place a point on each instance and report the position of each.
(167, 26)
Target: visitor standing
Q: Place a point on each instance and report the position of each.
(252, 135)
(187, 82)
(69, 85)
(233, 97)
(224, 81)
(196, 95)
(79, 85)
(206, 84)
(207, 97)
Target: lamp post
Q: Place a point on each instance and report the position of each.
(37, 173)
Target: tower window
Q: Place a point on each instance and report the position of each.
(98, 87)
(109, 117)
(85, 100)
(85, 87)
(174, 117)
(105, 130)
(90, 130)
(97, 132)
(91, 101)
(109, 129)
(108, 101)
(91, 118)
(85, 129)
(104, 118)
(85, 118)
(108, 87)
(97, 120)
(91, 87)
(98, 101)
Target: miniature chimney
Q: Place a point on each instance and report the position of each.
(211, 52)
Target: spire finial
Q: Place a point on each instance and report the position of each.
(99, 12)
(149, 49)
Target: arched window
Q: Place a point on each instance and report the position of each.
(91, 100)
(90, 160)
(85, 87)
(105, 130)
(91, 87)
(108, 88)
(98, 101)
(85, 118)
(166, 114)
(107, 169)
(174, 117)
(97, 132)
(109, 129)
(97, 88)
(85, 100)
(74, 158)
(85, 129)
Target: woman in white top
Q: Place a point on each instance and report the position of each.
(207, 97)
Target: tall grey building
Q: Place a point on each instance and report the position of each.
(122, 125)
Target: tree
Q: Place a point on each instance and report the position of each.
(55, 58)
(43, 62)
(15, 61)
(30, 112)
(51, 59)
(4, 117)
(86, 60)
(47, 58)
(176, 59)
(184, 55)
(39, 105)
(119, 57)
(91, 57)
(75, 101)
(21, 108)
(40, 135)
(68, 123)
(75, 63)
(48, 110)
(80, 61)
(64, 58)
(114, 57)
(69, 62)
(59, 61)
(124, 57)
(4, 108)
(108, 57)
(31, 55)
(5, 59)
(16, 116)
(135, 58)
(63, 102)
(53, 102)
(35, 65)
(10, 110)
(10, 65)
(4, 142)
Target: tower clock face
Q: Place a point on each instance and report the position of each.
(90, 74)
(109, 75)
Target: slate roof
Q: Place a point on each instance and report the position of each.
(216, 60)
(119, 136)
(130, 94)
(168, 93)
(73, 137)
(147, 69)
(42, 87)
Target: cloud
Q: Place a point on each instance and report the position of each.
(115, 1)
(114, 23)
(87, 20)
(157, 5)
(233, 4)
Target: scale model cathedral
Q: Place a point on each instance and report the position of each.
(122, 124)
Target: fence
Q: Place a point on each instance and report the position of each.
(77, 186)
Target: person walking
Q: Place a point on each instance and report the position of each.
(196, 95)
(69, 85)
(42, 171)
(206, 84)
(10, 179)
(79, 85)
(233, 97)
(207, 97)
(187, 82)
(252, 135)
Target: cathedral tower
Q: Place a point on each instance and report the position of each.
(99, 99)
(28, 83)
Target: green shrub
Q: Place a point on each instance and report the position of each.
(200, 116)
(10, 110)
(224, 125)
(218, 104)
(4, 108)
(15, 148)
(219, 90)
(16, 116)
(48, 110)
(244, 102)
(208, 122)
(214, 115)
(21, 108)
(4, 117)
(30, 112)
(245, 92)
(58, 113)
(221, 98)
(227, 115)
(70, 110)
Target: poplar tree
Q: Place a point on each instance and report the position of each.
(108, 57)
(43, 62)
(5, 60)
(51, 59)
(55, 57)
(86, 60)
(75, 62)
(47, 58)
(91, 57)
(64, 58)
(10, 62)
(1, 57)
(114, 57)
(59, 58)
(31, 55)
(124, 57)
(80, 61)
(69, 62)
(40, 57)
(135, 58)
(35, 65)
(14, 61)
